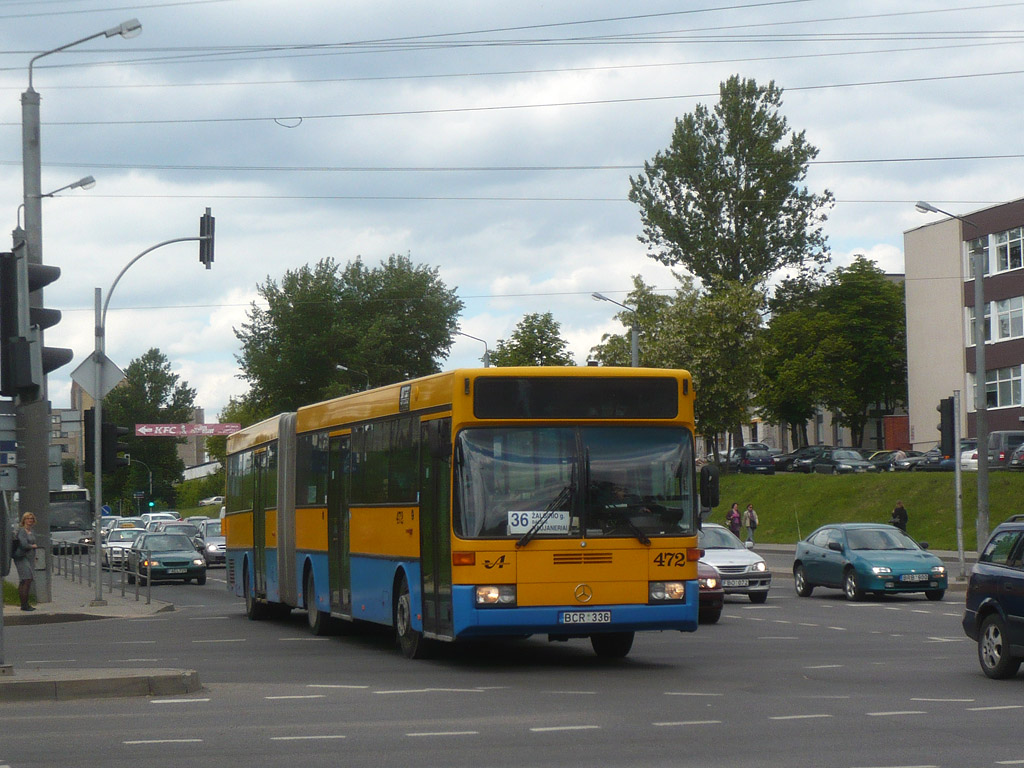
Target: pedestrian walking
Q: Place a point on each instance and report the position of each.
(750, 523)
(733, 519)
(899, 517)
(24, 558)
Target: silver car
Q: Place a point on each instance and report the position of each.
(210, 541)
(116, 545)
(743, 572)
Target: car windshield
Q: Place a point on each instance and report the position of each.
(879, 538)
(577, 482)
(758, 454)
(124, 534)
(167, 542)
(717, 538)
(212, 529)
(847, 455)
(185, 528)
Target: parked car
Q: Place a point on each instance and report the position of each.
(712, 593)
(1016, 458)
(211, 543)
(117, 544)
(211, 501)
(994, 612)
(1001, 445)
(866, 557)
(842, 461)
(803, 460)
(934, 461)
(165, 557)
(754, 461)
(912, 459)
(743, 572)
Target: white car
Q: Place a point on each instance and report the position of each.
(969, 460)
(116, 545)
(212, 501)
(743, 572)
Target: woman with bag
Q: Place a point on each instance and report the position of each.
(750, 523)
(732, 519)
(24, 558)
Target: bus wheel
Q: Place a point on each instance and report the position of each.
(318, 620)
(254, 609)
(612, 645)
(408, 639)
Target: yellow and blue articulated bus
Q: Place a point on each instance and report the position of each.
(476, 503)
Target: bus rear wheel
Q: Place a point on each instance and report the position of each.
(254, 609)
(612, 645)
(318, 620)
(410, 641)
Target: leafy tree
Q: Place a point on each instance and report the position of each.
(725, 199)
(616, 349)
(149, 394)
(385, 324)
(535, 341)
(69, 471)
(239, 410)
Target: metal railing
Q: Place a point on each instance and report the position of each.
(77, 563)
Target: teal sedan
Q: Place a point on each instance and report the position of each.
(866, 557)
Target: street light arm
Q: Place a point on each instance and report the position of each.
(110, 291)
(127, 29)
(487, 354)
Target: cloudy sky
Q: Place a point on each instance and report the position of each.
(492, 140)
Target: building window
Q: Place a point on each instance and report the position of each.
(1002, 387)
(1010, 318)
(987, 323)
(976, 246)
(1009, 249)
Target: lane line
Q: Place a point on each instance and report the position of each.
(176, 701)
(308, 738)
(434, 690)
(688, 722)
(325, 685)
(951, 701)
(826, 666)
(688, 693)
(444, 733)
(303, 696)
(226, 640)
(798, 717)
(549, 729)
(574, 693)
(993, 709)
(163, 741)
(896, 714)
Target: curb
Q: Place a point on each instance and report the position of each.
(63, 685)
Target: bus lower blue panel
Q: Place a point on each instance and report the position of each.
(233, 566)
(471, 621)
(318, 562)
(372, 586)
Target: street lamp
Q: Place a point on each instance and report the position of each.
(340, 367)
(634, 342)
(86, 182)
(487, 355)
(980, 377)
(34, 415)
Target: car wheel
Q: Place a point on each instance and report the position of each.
(834, 471)
(254, 609)
(803, 587)
(142, 579)
(935, 594)
(709, 615)
(993, 651)
(201, 579)
(853, 592)
(758, 597)
(131, 578)
(410, 641)
(318, 620)
(612, 645)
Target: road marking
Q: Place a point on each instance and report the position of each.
(951, 701)
(797, 717)
(305, 639)
(894, 714)
(209, 618)
(135, 661)
(808, 624)
(990, 709)
(445, 733)
(324, 685)
(566, 728)
(781, 621)
(163, 741)
(1009, 762)
(226, 640)
(778, 637)
(826, 666)
(687, 693)
(176, 701)
(303, 696)
(434, 690)
(688, 722)
(838, 629)
(575, 693)
(307, 738)
(49, 661)
(134, 642)
(947, 639)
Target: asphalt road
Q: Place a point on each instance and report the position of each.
(794, 682)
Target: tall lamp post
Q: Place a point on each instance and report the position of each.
(340, 367)
(34, 414)
(980, 378)
(486, 359)
(634, 339)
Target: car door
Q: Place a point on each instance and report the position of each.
(1013, 594)
(834, 561)
(814, 562)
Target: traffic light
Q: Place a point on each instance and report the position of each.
(206, 239)
(111, 447)
(24, 361)
(946, 436)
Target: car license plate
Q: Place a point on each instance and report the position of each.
(914, 577)
(586, 617)
(177, 570)
(734, 582)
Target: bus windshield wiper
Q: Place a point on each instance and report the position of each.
(640, 535)
(563, 496)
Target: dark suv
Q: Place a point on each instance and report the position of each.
(994, 615)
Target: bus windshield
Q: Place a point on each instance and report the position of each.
(70, 516)
(588, 482)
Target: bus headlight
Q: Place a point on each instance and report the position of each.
(660, 591)
(496, 595)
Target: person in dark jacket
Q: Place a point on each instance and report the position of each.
(899, 517)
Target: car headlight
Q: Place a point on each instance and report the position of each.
(199, 561)
(938, 570)
(709, 583)
(500, 595)
(878, 570)
(149, 563)
(211, 547)
(759, 566)
(844, 466)
(667, 590)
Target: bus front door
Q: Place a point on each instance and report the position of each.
(259, 527)
(435, 528)
(338, 570)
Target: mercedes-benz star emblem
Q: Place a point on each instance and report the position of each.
(584, 593)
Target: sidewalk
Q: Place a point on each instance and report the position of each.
(73, 601)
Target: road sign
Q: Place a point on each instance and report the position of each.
(85, 375)
(106, 510)
(185, 430)
(139, 494)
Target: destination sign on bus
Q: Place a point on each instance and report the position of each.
(521, 521)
